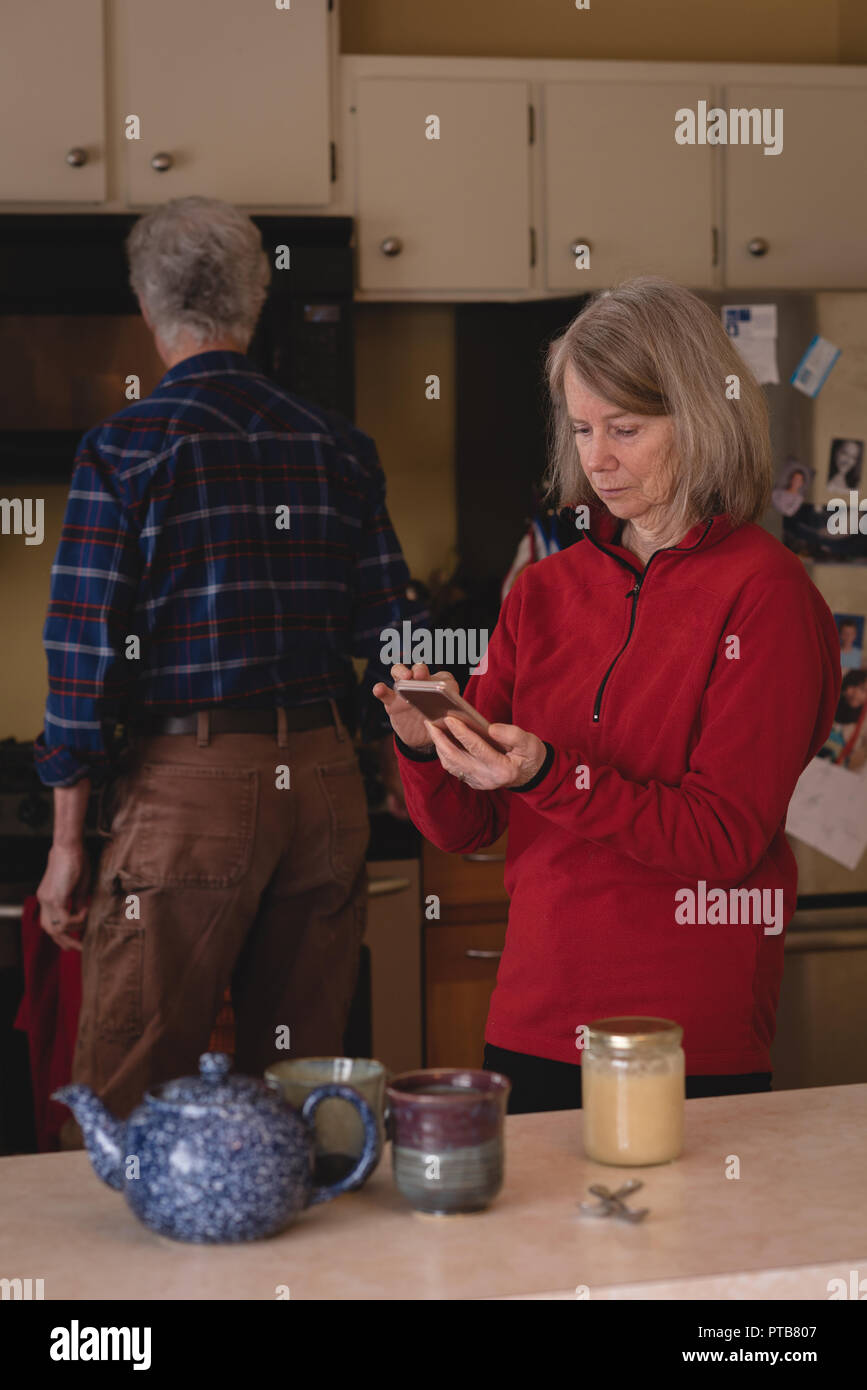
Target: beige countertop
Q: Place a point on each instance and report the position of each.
(795, 1218)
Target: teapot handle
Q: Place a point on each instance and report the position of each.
(369, 1155)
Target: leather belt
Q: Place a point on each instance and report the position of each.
(236, 721)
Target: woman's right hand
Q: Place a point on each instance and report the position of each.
(407, 722)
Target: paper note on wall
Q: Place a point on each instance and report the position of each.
(812, 371)
(829, 811)
(753, 330)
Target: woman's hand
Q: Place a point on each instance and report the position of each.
(480, 765)
(409, 723)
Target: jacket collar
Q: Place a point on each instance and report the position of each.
(604, 531)
(203, 363)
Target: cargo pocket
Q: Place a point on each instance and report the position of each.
(343, 790)
(119, 950)
(187, 827)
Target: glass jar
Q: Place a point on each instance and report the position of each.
(632, 1091)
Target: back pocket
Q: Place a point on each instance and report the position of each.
(184, 826)
(343, 789)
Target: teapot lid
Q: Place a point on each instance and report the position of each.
(214, 1086)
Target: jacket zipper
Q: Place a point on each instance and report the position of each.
(633, 594)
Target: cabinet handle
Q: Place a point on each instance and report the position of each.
(482, 858)
(578, 245)
(391, 246)
(482, 955)
(379, 887)
(758, 246)
(76, 157)
(161, 162)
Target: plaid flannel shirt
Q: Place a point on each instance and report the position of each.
(224, 543)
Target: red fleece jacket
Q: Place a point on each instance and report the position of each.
(692, 744)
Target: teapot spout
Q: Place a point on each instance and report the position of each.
(103, 1134)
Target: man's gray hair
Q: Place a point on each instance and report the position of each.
(198, 266)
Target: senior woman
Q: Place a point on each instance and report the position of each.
(636, 681)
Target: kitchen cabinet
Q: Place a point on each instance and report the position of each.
(52, 102)
(449, 213)
(461, 971)
(233, 100)
(798, 219)
(469, 886)
(617, 182)
(463, 947)
(602, 167)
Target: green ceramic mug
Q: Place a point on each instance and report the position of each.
(338, 1127)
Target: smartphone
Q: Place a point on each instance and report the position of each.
(434, 699)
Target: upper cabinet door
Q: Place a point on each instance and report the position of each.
(798, 219)
(52, 118)
(233, 96)
(446, 213)
(617, 181)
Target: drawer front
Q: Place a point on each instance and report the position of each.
(462, 881)
(461, 970)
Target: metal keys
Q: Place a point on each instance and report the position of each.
(612, 1203)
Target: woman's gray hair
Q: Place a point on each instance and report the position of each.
(652, 347)
(198, 267)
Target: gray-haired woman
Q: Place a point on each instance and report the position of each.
(658, 689)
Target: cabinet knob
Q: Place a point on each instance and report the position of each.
(76, 157)
(475, 954)
(758, 246)
(391, 246)
(161, 162)
(577, 246)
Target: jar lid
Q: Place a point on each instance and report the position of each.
(214, 1086)
(628, 1032)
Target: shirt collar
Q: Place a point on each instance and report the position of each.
(203, 363)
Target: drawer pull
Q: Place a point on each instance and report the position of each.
(482, 955)
(378, 887)
(482, 858)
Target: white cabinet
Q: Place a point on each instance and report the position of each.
(803, 210)
(617, 181)
(232, 97)
(52, 135)
(451, 213)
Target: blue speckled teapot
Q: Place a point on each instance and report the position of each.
(215, 1157)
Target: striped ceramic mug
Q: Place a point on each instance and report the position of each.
(446, 1125)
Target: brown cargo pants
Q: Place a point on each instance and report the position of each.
(237, 882)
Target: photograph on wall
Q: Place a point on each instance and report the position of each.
(824, 521)
(844, 465)
(850, 627)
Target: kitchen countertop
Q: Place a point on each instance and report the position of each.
(786, 1226)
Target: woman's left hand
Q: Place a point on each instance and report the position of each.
(478, 764)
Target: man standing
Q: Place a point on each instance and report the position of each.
(226, 550)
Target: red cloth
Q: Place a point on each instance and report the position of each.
(49, 1016)
(692, 761)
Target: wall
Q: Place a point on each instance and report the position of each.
(396, 347)
(746, 31)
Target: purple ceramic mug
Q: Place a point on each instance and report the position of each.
(446, 1125)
